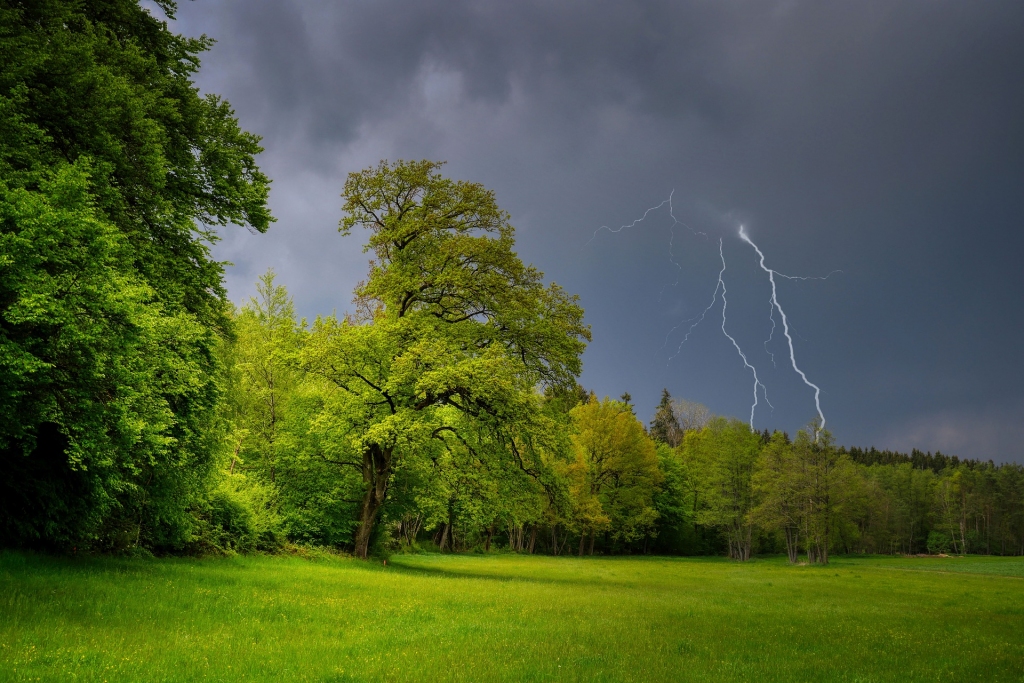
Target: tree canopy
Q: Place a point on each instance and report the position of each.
(456, 331)
(112, 171)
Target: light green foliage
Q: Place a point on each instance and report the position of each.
(444, 254)
(264, 377)
(511, 618)
(240, 515)
(825, 482)
(721, 458)
(293, 436)
(283, 455)
(317, 495)
(779, 503)
(454, 333)
(589, 474)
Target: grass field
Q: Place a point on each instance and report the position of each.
(510, 618)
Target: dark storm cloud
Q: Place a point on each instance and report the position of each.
(326, 68)
(881, 138)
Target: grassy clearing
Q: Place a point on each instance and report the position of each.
(510, 618)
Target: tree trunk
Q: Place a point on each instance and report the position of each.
(792, 544)
(988, 532)
(591, 541)
(533, 537)
(412, 529)
(583, 537)
(376, 474)
(367, 519)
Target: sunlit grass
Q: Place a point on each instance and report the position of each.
(510, 618)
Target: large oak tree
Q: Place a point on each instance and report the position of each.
(454, 337)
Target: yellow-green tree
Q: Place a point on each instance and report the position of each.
(454, 333)
(265, 376)
(614, 474)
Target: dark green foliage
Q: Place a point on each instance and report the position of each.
(111, 164)
(675, 529)
(919, 460)
(665, 426)
(938, 542)
(93, 369)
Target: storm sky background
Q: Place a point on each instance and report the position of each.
(883, 139)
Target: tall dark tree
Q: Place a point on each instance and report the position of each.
(113, 172)
(665, 426)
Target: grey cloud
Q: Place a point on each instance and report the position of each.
(881, 138)
(996, 430)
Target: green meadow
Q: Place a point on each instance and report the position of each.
(510, 618)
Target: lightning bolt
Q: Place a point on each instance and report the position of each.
(672, 233)
(771, 335)
(672, 236)
(771, 309)
(725, 305)
(698, 318)
(785, 322)
(630, 225)
(773, 301)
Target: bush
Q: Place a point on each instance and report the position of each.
(938, 542)
(240, 516)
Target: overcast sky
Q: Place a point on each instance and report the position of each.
(881, 139)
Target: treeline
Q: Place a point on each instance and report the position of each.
(688, 483)
(919, 460)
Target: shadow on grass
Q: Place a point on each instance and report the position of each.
(452, 573)
(555, 565)
(27, 568)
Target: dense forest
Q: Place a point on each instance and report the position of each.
(143, 412)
